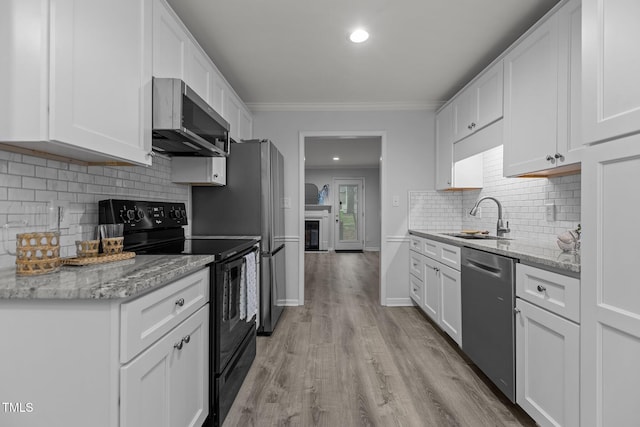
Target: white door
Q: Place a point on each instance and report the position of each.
(610, 69)
(547, 366)
(349, 213)
(609, 291)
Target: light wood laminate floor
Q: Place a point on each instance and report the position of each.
(344, 360)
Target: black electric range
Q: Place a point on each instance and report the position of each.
(157, 228)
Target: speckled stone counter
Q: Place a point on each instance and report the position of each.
(120, 279)
(540, 253)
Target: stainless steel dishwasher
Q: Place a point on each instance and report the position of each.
(488, 321)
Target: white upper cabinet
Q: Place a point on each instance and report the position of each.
(178, 55)
(444, 148)
(170, 43)
(466, 173)
(611, 66)
(542, 96)
(85, 84)
(480, 104)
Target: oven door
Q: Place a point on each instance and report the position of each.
(230, 328)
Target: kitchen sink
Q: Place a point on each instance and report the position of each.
(475, 236)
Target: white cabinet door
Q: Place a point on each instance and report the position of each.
(24, 73)
(200, 72)
(488, 101)
(463, 114)
(431, 296)
(450, 302)
(570, 144)
(170, 43)
(167, 385)
(531, 101)
(232, 114)
(611, 66)
(444, 148)
(610, 295)
(100, 76)
(547, 366)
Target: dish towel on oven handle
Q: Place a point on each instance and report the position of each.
(243, 291)
(251, 276)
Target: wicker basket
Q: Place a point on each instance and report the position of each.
(37, 253)
(87, 248)
(112, 245)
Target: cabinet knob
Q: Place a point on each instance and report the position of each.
(469, 127)
(178, 345)
(559, 157)
(180, 302)
(215, 175)
(186, 339)
(473, 125)
(516, 310)
(550, 158)
(541, 288)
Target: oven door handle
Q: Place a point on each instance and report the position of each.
(229, 293)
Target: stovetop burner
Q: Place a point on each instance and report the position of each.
(157, 228)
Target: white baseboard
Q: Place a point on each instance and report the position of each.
(399, 302)
(372, 248)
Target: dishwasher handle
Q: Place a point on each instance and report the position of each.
(493, 268)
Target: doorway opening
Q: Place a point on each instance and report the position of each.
(346, 171)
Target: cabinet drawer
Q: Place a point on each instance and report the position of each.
(449, 255)
(415, 290)
(431, 249)
(416, 264)
(415, 244)
(145, 319)
(555, 292)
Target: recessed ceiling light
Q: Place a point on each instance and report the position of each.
(359, 36)
(336, 158)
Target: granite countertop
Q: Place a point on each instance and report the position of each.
(541, 253)
(120, 279)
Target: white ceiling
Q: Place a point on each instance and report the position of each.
(295, 53)
(359, 152)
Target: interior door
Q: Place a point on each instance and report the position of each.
(349, 213)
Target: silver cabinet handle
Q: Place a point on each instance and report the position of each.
(516, 310)
(549, 158)
(178, 345)
(187, 339)
(541, 288)
(473, 125)
(215, 175)
(559, 157)
(180, 302)
(469, 127)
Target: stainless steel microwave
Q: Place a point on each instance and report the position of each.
(184, 124)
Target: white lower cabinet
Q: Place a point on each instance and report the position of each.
(439, 283)
(109, 362)
(167, 384)
(547, 347)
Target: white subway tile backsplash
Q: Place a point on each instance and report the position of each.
(523, 202)
(28, 183)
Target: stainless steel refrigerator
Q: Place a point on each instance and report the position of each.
(251, 204)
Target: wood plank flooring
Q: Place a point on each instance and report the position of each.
(344, 360)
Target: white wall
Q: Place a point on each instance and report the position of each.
(371, 176)
(408, 163)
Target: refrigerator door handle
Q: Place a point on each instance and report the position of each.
(272, 254)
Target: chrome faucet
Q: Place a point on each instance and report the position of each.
(501, 230)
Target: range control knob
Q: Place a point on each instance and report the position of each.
(183, 213)
(175, 213)
(139, 214)
(131, 214)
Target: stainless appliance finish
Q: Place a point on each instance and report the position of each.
(250, 204)
(184, 124)
(488, 320)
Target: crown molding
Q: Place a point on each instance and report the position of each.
(343, 106)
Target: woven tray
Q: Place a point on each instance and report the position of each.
(100, 259)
